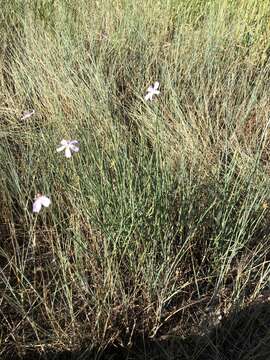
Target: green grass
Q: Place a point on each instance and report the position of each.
(164, 211)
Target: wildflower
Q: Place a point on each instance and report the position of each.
(68, 146)
(27, 114)
(39, 201)
(152, 90)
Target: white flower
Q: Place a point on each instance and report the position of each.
(27, 114)
(39, 201)
(152, 90)
(68, 146)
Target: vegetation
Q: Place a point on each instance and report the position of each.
(162, 218)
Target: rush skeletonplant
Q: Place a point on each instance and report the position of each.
(157, 215)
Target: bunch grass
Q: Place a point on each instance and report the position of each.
(164, 212)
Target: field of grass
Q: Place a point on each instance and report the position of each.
(159, 225)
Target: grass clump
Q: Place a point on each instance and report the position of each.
(164, 212)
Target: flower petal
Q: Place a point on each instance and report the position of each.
(37, 205)
(73, 142)
(148, 96)
(156, 85)
(74, 148)
(150, 89)
(61, 148)
(63, 142)
(67, 152)
(45, 201)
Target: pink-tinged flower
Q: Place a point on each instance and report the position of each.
(151, 91)
(68, 146)
(40, 200)
(27, 114)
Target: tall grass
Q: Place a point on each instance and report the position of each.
(164, 212)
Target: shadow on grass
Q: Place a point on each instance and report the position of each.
(243, 335)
